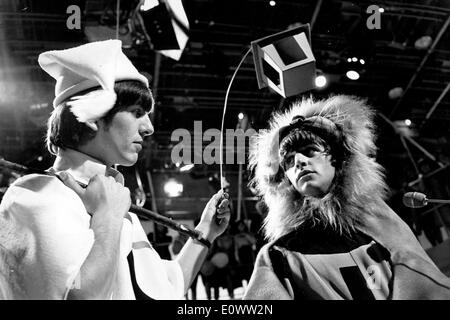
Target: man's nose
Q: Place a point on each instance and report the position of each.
(300, 160)
(146, 127)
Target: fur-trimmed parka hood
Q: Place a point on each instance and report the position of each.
(358, 185)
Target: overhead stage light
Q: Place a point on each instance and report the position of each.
(186, 167)
(173, 188)
(285, 62)
(352, 75)
(166, 25)
(321, 81)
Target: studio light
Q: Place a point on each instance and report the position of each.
(186, 167)
(284, 61)
(321, 81)
(173, 188)
(272, 3)
(395, 93)
(166, 26)
(352, 75)
(240, 116)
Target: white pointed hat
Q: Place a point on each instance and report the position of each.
(88, 66)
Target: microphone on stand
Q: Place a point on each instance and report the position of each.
(419, 200)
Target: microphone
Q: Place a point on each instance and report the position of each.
(419, 200)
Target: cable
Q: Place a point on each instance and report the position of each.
(223, 116)
(117, 19)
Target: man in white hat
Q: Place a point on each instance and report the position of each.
(61, 241)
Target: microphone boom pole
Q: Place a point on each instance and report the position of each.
(140, 212)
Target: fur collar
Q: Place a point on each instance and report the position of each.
(356, 189)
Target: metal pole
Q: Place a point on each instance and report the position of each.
(438, 101)
(316, 13)
(422, 63)
(412, 141)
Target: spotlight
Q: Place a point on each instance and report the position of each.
(177, 164)
(272, 3)
(321, 81)
(408, 122)
(186, 168)
(395, 93)
(354, 59)
(381, 10)
(349, 59)
(362, 61)
(352, 75)
(240, 116)
(173, 188)
(423, 42)
(166, 25)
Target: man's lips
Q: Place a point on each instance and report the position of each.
(304, 173)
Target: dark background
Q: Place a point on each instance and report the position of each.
(193, 88)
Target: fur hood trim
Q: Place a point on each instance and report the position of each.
(356, 188)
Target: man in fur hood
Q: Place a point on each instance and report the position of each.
(331, 234)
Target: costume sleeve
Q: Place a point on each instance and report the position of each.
(264, 283)
(176, 277)
(158, 278)
(414, 274)
(417, 278)
(45, 234)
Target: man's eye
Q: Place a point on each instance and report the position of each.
(138, 113)
(289, 161)
(311, 151)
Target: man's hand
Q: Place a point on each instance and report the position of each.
(215, 216)
(107, 200)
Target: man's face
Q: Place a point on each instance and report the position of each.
(309, 169)
(121, 140)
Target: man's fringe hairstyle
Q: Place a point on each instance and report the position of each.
(358, 182)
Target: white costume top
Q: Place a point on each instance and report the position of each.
(45, 237)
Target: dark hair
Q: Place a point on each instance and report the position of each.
(65, 131)
(297, 138)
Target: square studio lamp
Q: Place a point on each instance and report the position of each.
(285, 62)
